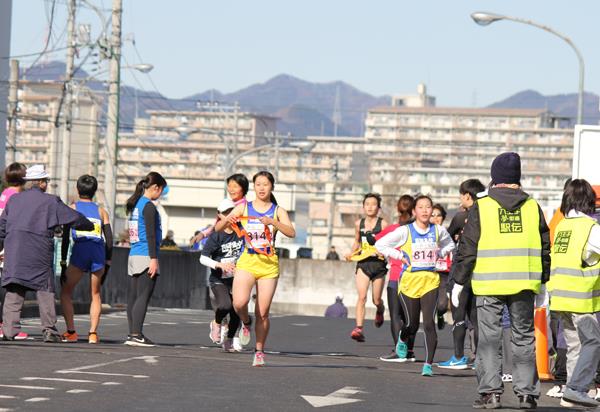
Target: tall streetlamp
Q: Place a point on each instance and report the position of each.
(485, 18)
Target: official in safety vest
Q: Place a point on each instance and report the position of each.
(505, 253)
(575, 288)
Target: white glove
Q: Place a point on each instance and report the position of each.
(542, 299)
(456, 294)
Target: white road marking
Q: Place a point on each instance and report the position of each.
(37, 399)
(42, 388)
(99, 365)
(79, 391)
(5, 409)
(299, 324)
(32, 378)
(196, 322)
(7, 397)
(105, 374)
(339, 397)
(167, 323)
(111, 383)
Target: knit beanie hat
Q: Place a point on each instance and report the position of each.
(506, 168)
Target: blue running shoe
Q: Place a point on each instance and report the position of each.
(453, 363)
(401, 349)
(427, 371)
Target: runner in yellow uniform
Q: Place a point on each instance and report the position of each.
(258, 265)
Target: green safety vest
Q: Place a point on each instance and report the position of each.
(509, 252)
(573, 287)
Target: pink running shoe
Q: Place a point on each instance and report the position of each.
(215, 332)
(259, 358)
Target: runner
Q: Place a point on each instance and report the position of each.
(371, 267)
(442, 267)
(258, 265)
(90, 254)
(145, 234)
(405, 207)
(221, 251)
(467, 308)
(423, 243)
(14, 180)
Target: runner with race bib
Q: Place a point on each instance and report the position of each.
(258, 265)
(424, 243)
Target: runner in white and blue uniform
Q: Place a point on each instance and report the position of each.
(91, 253)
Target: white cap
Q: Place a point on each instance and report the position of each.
(225, 204)
(36, 172)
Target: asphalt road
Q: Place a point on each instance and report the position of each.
(308, 358)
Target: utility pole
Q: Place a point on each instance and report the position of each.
(13, 84)
(337, 111)
(236, 112)
(332, 206)
(68, 107)
(112, 122)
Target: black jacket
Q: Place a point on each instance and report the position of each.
(510, 199)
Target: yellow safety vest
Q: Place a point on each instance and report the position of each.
(573, 287)
(509, 252)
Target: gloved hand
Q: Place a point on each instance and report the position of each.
(63, 273)
(542, 299)
(456, 294)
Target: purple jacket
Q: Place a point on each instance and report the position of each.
(27, 233)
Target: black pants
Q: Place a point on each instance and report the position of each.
(467, 307)
(224, 307)
(442, 303)
(141, 287)
(397, 317)
(413, 308)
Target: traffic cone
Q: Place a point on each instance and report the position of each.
(541, 344)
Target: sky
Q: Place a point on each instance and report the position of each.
(380, 47)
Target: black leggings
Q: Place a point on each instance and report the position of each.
(395, 309)
(442, 304)
(412, 308)
(224, 307)
(141, 287)
(467, 307)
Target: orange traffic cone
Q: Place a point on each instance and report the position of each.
(541, 344)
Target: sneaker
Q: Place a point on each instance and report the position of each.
(427, 371)
(488, 401)
(259, 358)
(69, 337)
(214, 332)
(454, 363)
(379, 316)
(51, 336)
(527, 402)
(237, 346)
(357, 334)
(441, 322)
(507, 377)
(410, 357)
(392, 357)
(401, 349)
(224, 331)
(245, 334)
(21, 336)
(93, 338)
(597, 394)
(556, 391)
(228, 345)
(579, 398)
(139, 340)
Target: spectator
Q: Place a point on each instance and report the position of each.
(338, 309)
(168, 242)
(332, 255)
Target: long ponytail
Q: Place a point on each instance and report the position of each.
(269, 176)
(152, 178)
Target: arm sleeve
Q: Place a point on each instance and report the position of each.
(545, 235)
(206, 261)
(108, 239)
(150, 213)
(446, 242)
(464, 263)
(387, 244)
(456, 224)
(66, 237)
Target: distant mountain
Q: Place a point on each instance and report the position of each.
(561, 104)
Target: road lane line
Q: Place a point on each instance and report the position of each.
(37, 399)
(99, 365)
(79, 391)
(33, 378)
(7, 397)
(42, 388)
(105, 374)
(111, 383)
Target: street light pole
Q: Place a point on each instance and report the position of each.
(485, 18)
(112, 116)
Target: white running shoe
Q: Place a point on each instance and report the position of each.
(214, 332)
(259, 358)
(237, 346)
(556, 391)
(245, 334)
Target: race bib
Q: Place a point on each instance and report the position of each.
(134, 235)
(441, 265)
(96, 233)
(257, 235)
(424, 255)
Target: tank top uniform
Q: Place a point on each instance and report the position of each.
(422, 249)
(139, 254)
(259, 265)
(89, 250)
(375, 266)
